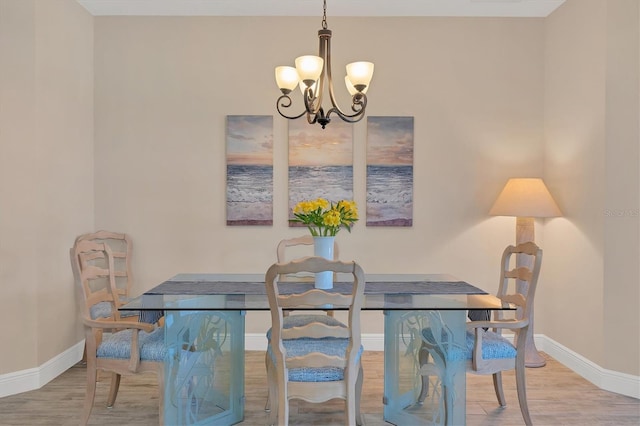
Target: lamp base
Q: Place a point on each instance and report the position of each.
(532, 358)
(525, 232)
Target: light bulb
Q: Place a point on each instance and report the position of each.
(309, 68)
(360, 74)
(286, 78)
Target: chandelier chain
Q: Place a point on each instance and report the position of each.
(324, 15)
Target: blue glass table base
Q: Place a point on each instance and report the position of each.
(203, 373)
(404, 348)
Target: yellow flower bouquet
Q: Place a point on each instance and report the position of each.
(324, 218)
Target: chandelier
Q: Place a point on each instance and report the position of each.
(310, 73)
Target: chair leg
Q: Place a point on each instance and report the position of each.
(161, 394)
(359, 420)
(113, 390)
(283, 399)
(447, 404)
(89, 397)
(352, 401)
(272, 385)
(522, 391)
(497, 385)
(424, 390)
(267, 406)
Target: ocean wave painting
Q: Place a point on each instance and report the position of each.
(320, 162)
(249, 170)
(389, 171)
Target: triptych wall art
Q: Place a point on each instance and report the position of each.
(320, 165)
(249, 170)
(390, 171)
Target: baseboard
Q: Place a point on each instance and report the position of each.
(613, 381)
(35, 378)
(609, 380)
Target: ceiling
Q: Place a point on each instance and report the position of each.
(486, 8)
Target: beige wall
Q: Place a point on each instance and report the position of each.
(18, 208)
(164, 86)
(46, 173)
(492, 99)
(590, 273)
(622, 247)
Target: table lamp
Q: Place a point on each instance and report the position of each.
(526, 199)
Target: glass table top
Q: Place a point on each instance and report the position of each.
(246, 292)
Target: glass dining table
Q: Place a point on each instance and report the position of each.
(204, 322)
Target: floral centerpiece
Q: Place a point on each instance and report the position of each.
(324, 218)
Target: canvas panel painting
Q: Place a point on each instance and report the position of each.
(320, 162)
(389, 171)
(249, 170)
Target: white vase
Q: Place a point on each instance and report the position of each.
(323, 247)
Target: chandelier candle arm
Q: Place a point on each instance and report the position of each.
(310, 73)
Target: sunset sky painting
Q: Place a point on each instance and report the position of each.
(390, 141)
(250, 139)
(389, 171)
(249, 170)
(310, 145)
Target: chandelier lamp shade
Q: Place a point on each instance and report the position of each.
(312, 74)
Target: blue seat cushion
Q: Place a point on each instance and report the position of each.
(302, 320)
(118, 345)
(104, 310)
(328, 346)
(494, 346)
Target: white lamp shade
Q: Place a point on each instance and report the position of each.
(352, 90)
(287, 78)
(309, 68)
(525, 197)
(360, 73)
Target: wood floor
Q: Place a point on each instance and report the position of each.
(556, 395)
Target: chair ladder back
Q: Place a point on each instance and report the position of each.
(314, 298)
(316, 360)
(304, 240)
(94, 263)
(525, 273)
(122, 248)
(315, 330)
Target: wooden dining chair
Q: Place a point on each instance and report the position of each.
(314, 362)
(292, 244)
(113, 344)
(487, 351)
